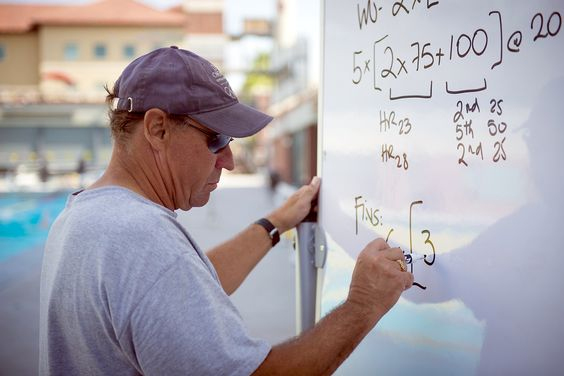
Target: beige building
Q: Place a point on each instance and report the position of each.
(68, 53)
(55, 61)
(204, 28)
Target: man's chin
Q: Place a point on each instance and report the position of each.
(199, 201)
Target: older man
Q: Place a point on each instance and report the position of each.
(126, 290)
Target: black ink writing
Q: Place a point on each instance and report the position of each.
(551, 28)
(368, 13)
(467, 90)
(399, 6)
(373, 217)
(413, 96)
(389, 155)
(387, 120)
(496, 106)
(367, 214)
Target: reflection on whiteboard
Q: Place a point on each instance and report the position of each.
(443, 132)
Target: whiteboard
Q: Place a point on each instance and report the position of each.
(442, 131)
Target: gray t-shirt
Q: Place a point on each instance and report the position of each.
(126, 291)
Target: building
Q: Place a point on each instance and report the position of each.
(56, 60)
(68, 53)
(203, 32)
(292, 137)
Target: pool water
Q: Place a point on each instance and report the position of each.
(25, 219)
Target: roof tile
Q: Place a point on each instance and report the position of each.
(16, 18)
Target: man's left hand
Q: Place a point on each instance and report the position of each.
(296, 207)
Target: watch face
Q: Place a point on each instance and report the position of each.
(275, 236)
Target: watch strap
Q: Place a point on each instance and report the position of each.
(271, 230)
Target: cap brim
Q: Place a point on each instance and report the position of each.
(237, 120)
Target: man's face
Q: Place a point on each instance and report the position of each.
(195, 170)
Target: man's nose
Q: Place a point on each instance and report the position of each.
(225, 159)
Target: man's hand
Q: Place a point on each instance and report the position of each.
(378, 280)
(376, 286)
(296, 208)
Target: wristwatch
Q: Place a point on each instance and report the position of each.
(270, 229)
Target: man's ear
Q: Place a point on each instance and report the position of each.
(156, 129)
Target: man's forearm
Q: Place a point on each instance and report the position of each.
(322, 349)
(234, 259)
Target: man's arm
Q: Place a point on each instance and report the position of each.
(234, 259)
(376, 286)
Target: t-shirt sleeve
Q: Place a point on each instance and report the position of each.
(186, 324)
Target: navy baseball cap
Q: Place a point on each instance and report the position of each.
(180, 82)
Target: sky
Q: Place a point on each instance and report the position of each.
(307, 20)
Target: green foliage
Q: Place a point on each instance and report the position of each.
(259, 77)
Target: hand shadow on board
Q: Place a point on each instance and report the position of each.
(510, 276)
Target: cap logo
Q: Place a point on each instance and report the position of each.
(219, 79)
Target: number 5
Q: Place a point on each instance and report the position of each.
(356, 68)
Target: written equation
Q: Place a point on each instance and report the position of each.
(471, 146)
(372, 217)
(382, 62)
(392, 67)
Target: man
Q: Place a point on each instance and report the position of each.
(124, 287)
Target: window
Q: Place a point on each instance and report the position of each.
(2, 52)
(71, 51)
(100, 51)
(128, 51)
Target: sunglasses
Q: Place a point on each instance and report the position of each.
(216, 141)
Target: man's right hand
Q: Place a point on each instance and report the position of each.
(378, 280)
(377, 284)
